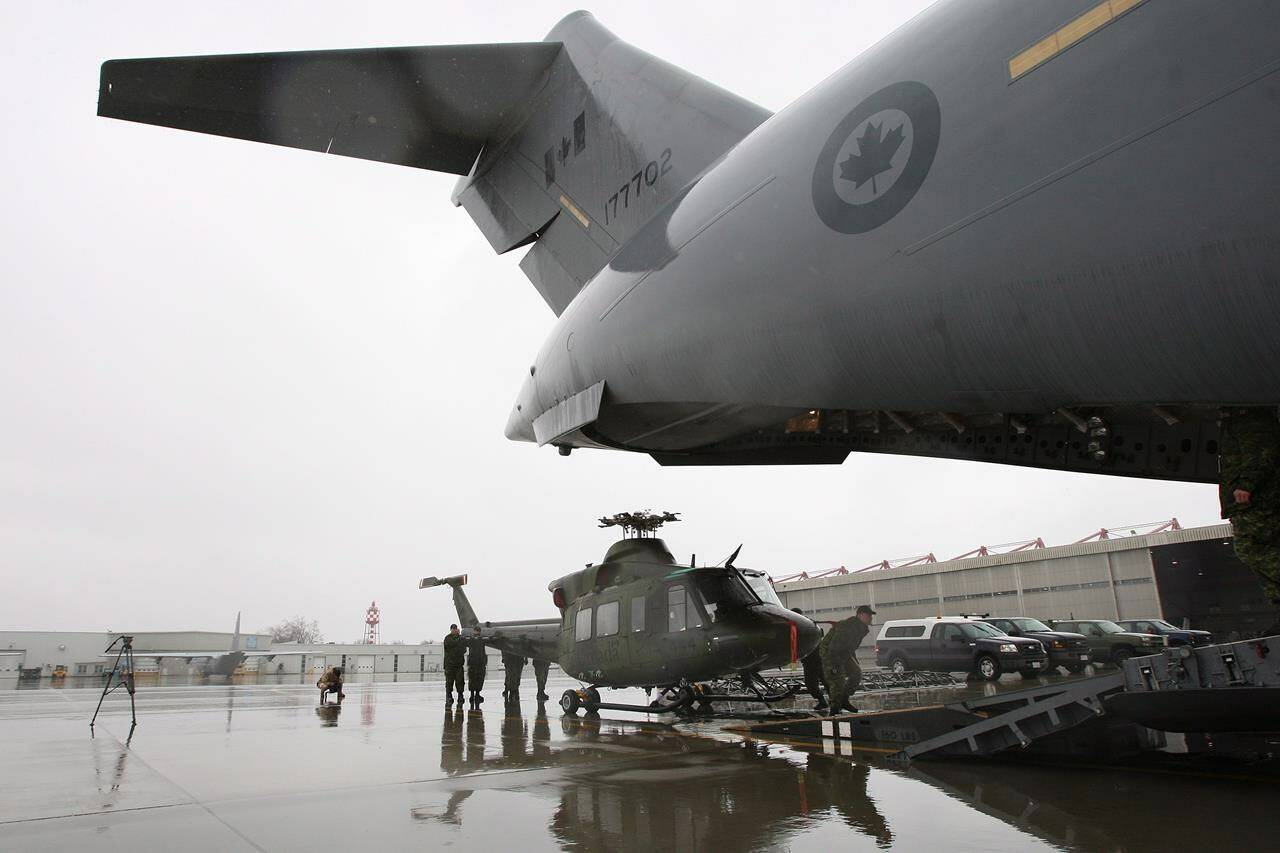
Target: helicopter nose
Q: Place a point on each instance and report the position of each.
(807, 634)
(793, 636)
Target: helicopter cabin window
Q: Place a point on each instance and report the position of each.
(607, 619)
(583, 630)
(677, 605)
(637, 613)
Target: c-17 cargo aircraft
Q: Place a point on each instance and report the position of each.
(1039, 234)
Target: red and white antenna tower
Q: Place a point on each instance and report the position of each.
(372, 617)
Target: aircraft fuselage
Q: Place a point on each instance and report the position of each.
(1099, 230)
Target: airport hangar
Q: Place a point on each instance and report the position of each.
(1175, 574)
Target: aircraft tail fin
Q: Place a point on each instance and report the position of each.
(466, 614)
(613, 135)
(570, 144)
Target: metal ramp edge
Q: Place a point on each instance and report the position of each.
(1018, 718)
(979, 726)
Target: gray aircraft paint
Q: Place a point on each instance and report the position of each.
(1147, 274)
(1098, 234)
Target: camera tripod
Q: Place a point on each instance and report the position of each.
(125, 655)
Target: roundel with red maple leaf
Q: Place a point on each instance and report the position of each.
(877, 158)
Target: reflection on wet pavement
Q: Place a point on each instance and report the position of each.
(260, 767)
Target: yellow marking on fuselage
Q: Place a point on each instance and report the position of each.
(573, 208)
(1070, 33)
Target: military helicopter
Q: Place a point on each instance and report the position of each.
(640, 619)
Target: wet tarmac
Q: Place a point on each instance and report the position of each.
(260, 767)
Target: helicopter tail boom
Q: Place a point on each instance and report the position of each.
(534, 638)
(466, 614)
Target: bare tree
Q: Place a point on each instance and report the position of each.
(295, 630)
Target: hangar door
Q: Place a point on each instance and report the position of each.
(364, 663)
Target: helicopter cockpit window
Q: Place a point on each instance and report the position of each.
(759, 583)
(723, 590)
(637, 613)
(677, 606)
(607, 619)
(583, 628)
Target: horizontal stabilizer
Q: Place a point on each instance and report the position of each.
(455, 581)
(426, 107)
(567, 146)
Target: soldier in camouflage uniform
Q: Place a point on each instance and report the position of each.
(813, 677)
(477, 663)
(839, 664)
(540, 670)
(1249, 471)
(455, 657)
(513, 664)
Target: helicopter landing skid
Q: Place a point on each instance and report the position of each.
(681, 698)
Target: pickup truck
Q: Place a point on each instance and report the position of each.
(1173, 635)
(1069, 651)
(952, 644)
(1108, 642)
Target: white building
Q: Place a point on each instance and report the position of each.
(358, 658)
(83, 653)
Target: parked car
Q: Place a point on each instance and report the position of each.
(1173, 635)
(1067, 650)
(955, 644)
(1108, 642)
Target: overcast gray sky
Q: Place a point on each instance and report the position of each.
(240, 377)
